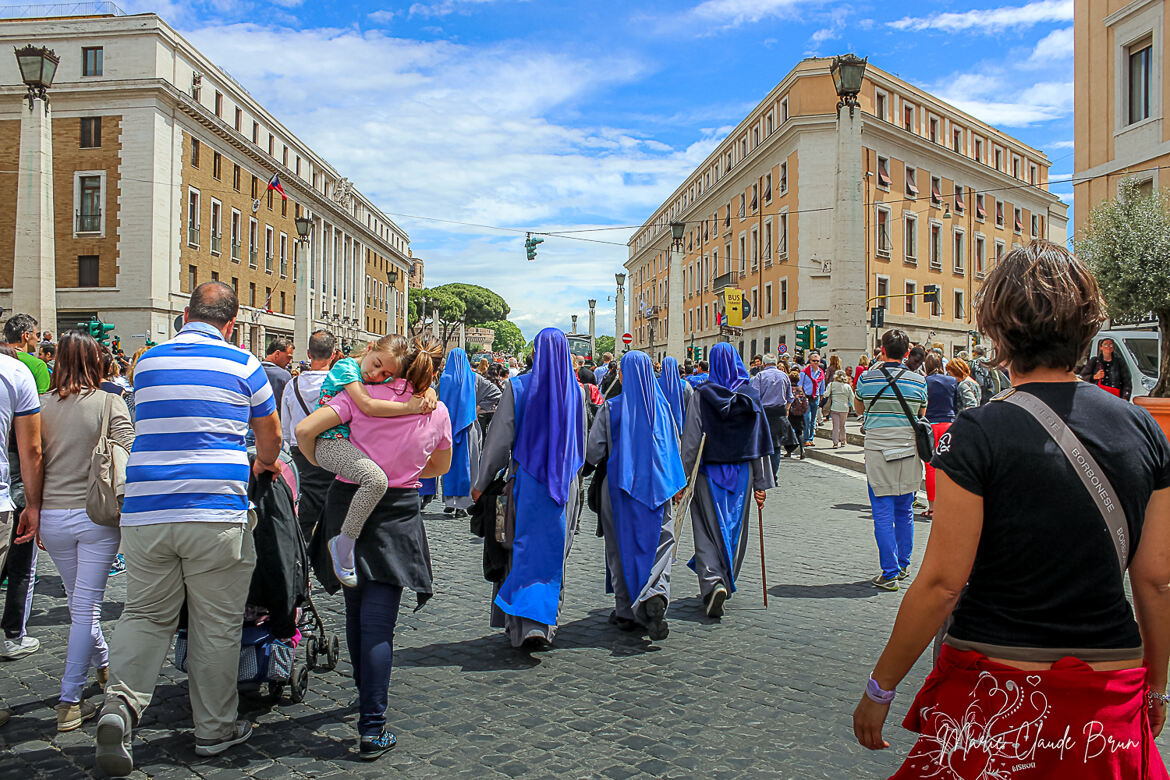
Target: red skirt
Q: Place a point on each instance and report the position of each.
(981, 720)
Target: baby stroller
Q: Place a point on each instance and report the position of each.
(279, 616)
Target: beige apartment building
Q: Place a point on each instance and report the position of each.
(161, 163)
(1119, 68)
(943, 195)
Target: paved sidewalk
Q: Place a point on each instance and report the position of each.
(761, 694)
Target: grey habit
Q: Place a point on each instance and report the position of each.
(474, 445)
(630, 606)
(709, 563)
(497, 455)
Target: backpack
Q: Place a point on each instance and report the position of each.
(107, 475)
(799, 403)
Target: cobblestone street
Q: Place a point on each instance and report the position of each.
(763, 693)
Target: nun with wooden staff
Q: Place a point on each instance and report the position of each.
(636, 435)
(734, 466)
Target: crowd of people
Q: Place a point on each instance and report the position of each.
(1021, 587)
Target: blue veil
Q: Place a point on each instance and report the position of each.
(457, 392)
(671, 383)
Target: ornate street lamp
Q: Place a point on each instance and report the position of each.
(38, 66)
(392, 276)
(848, 71)
(676, 231)
(621, 280)
(304, 226)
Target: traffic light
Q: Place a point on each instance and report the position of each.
(820, 336)
(97, 329)
(690, 353)
(930, 294)
(117, 345)
(802, 336)
(698, 353)
(530, 246)
(877, 317)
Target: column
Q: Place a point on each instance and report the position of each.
(592, 331)
(673, 321)
(302, 313)
(34, 273)
(847, 315)
(620, 321)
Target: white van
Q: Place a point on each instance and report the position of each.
(1141, 350)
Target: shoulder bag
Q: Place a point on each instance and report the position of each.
(1084, 464)
(107, 474)
(923, 432)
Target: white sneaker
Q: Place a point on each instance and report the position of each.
(18, 648)
(347, 577)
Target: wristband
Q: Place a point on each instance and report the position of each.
(876, 694)
(1159, 698)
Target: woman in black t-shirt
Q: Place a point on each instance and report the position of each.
(1045, 670)
(1108, 371)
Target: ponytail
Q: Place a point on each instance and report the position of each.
(422, 360)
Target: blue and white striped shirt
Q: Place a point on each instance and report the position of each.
(194, 397)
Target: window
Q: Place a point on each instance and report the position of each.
(960, 305)
(880, 100)
(755, 249)
(883, 291)
(268, 249)
(283, 205)
(980, 256)
(768, 187)
(193, 218)
(910, 239)
(999, 159)
(284, 156)
(236, 239)
(282, 303)
(253, 239)
(742, 206)
(960, 261)
(1140, 62)
(911, 299)
(255, 187)
(755, 198)
(980, 210)
(957, 140)
(783, 110)
(239, 123)
(782, 237)
(933, 130)
(999, 249)
(783, 177)
(883, 232)
(298, 165)
(743, 255)
(192, 278)
(194, 152)
(999, 213)
(911, 182)
(271, 145)
(768, 243)
(255, 132)
(91, 132)
(936, 246)
(960, 203)
(936, 306)
(236, 285)
(784, 294)
(1032, 174)
(87, 271)
(89, 212)
(216, 165)
(216, 225)
(219, 104)
(235, 177)
(908, 117)
(768, 299)
(979, 150)
(251, 294)
(91, 61)
(883, 172)
(283, 255)
(1016, 167)
(1018, 219)
(935, 191)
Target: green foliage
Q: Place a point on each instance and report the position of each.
(508, 337)
(604, 344)
(479, 304)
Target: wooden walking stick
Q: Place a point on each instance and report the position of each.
(763, 568)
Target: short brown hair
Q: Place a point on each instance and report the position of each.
(958, 368)
(1041, 306)
(895, 342)
(79, 365)
(934, 364)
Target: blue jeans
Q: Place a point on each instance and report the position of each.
(893, 528)
(371, 611)
(810, 420)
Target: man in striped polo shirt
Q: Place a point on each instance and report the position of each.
(892, 466)
(185, 529)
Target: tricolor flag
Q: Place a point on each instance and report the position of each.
(274, 184)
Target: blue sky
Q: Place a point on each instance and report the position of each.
(540, 115)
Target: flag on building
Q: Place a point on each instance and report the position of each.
(274, 184)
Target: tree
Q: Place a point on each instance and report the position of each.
(604, 344)
(508, 337)
(470, 304)
(1127, 244)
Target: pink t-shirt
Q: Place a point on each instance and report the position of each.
(400, 445)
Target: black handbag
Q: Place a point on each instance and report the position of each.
(923, 432)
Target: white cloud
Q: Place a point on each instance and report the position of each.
(472, 134)
(980, 92)
(287, 3)
(736, 12)
(990, 20)
(1056, 46)
(444, 7)
(1062, 145)
(382, 16)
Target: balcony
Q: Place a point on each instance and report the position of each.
(252, 258)
(236, 251)
(192, 235)
(215, 243)
(89, 223)
(267, 262)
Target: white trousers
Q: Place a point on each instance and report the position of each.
(83, 553)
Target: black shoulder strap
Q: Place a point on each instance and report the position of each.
(893, 385)
(297, 393)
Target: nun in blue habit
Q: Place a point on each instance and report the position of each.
(457, 390)
(637, 435)
(538, 438)
(678, 391)
(736, 461)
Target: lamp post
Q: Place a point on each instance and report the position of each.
(574, 330)
(34, 277)
(651, 326)
(392, 280)
(592, 330)
(674, 290)
(847, 313)
(620, 314)
(302, 320)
